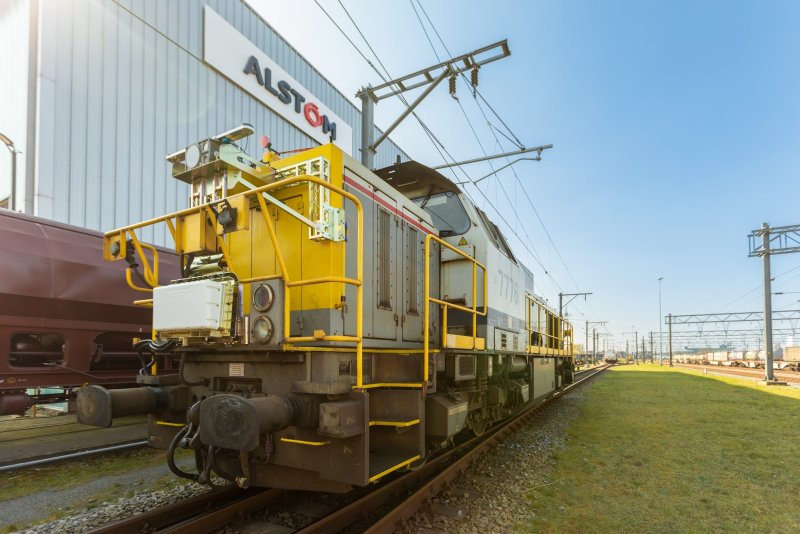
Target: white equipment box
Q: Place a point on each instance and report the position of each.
(190, 306)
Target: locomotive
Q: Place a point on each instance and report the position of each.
(334, 324)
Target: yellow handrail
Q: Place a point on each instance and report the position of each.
(151, 275)
(446, 305)
(561, 341)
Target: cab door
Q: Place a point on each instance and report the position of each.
(412, 253)
(386, 312)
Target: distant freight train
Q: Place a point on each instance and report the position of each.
(66, 316)
(335, 324)
(788, 358)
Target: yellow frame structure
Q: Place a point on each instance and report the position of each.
(564, 329)
(151, 273)
(446, 305)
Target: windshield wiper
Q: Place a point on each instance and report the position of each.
(427, 198)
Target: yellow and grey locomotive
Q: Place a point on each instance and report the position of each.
(334, 324)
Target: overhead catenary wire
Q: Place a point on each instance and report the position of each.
(434, 139)
(437, 143)
(533, 253)
(757, 288)
(476, 93)
(483, 149)
(516, 140)
(425, 128)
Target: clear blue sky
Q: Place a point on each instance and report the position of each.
(675, 124)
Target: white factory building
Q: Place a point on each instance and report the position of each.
(96, 93)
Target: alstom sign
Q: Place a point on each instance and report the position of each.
(241, 61)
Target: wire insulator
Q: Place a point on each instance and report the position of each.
(474, 78)
(453, 85)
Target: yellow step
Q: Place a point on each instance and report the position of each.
(397, 422)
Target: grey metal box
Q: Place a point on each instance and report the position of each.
(444, 417)
(341, 419)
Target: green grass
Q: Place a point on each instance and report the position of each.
(73, 473)
(666, 450)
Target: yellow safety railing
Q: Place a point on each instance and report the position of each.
(151, 273)
(559, 342)
(446, 305)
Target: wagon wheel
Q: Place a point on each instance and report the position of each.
(478, 424)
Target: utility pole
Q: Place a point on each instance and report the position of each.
(561, 303)
(670, 340)
(660, 321)
(627, 352)
(594, 344)
(636, 348)
(787, 241)
(770, 375)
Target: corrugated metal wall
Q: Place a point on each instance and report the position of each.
(14, 17)
(122, 83)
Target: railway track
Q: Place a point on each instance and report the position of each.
(60, 457)
(786, 376)
(376, 509)
(30, 442)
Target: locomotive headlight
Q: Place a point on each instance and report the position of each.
(193, 156)
(262, 329)
(262, 298)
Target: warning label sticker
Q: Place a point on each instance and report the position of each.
(457, 409)
(235, 369)
(462, 242)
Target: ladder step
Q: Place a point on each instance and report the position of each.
(411, 385)
(381, 465)
(397, 422)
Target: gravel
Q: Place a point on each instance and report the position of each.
(32, 508)
(494, 495)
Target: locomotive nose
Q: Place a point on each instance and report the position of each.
(234, 422)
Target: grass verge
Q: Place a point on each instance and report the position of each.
(76, 472)
(666, 450)
(71, 474)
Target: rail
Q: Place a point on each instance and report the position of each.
(446, 305)
(117, 241)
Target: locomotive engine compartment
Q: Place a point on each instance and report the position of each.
(334, 324)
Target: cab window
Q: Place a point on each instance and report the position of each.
(496, 235)
(448, 214)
